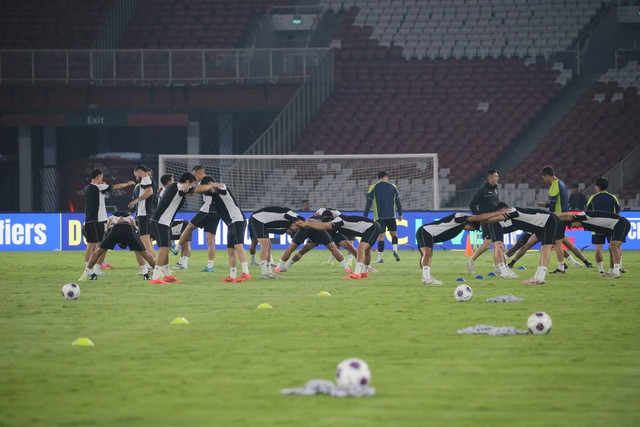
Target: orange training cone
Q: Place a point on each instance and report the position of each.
(468, 250)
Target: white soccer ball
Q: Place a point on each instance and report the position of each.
(71, 291)
(539, 323)
(463, 293)
(353, 372)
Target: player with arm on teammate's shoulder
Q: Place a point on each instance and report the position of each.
(611, 225)
(439, 231)
(385, 199)
(605, 202)
(366, 228)
(96, 213)
(544, 225)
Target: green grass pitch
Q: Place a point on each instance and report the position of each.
(227, 367)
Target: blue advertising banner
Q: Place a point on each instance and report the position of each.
(54, 231)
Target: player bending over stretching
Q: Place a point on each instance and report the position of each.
(121, 230)
(439, 231)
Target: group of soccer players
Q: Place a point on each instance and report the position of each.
(329, 227)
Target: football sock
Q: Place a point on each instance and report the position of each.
(264, 267)
(96, 268)
(511, 264)
(380, 255)
(271, 261)
(245, 267)
(253, 258)
(394, 240)
(359, 267)
(561, 266)
(233, 271)
(210, 263)
(157, 272)
(380, 246)
(503, 268)
(349, 259)
(601, 267)
(289, 264)
(280, 264)
(166, 270)
(542, 272)
(331, 258)
(426, 272)
(184, 260)
(395, 247)
(616, 269)
(344, 265)
(87, 271)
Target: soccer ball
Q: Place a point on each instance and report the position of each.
(71, 291)
(539, 323)
(353, 372)
(463, 293)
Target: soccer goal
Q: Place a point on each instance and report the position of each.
(339, 181)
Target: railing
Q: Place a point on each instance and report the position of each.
(281, 136)
(623, 56)
(159, 66)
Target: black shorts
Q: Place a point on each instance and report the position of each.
(495, 231)
(600, 239)
(319, 237)
(257, 229)
(143, 224)
(620, 230)
(94, 231)
(207, 221)
(162, 233)
(371, 234)
(548, 235)
(387, 224)
(560, 230)
(424, 238)
(177, 227)
(122, 234)
(338, 237)
(235, 233)
(486, 231)
(523, 239)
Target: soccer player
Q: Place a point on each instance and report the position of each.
(96, 213)
(171, 201)
(361, 226)
(606, 202)
(439, 231)
(121, 231)
(559, 202)
(485, 201)
(385, 199)
(610, 225)
(543, 224)
(232, 215)
(577, 200)
(207, 218)
(177, 225)
(273, 219)
(144, 205)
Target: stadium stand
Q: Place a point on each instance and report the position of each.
(51, 24)
(386, 104)
(471, 28)
(596, 133)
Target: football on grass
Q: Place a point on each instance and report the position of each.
(71, 291)
(463, 293)
(353, 372)
(539, 323)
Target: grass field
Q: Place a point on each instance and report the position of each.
(226, 368)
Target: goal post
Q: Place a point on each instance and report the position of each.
(339, 181)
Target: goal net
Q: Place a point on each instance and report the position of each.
(339, 181)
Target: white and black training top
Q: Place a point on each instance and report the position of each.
(446, 228)
(527, 219)
(117, 215)
(171, 201)
(276, 219)
(145, 207)
(226, 206)
(356, 225)
(207, 198)
(95, 209)
(598, 221)
(160, 193)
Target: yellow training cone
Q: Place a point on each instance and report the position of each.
(179, 321)
(84, 342)
(324, 294)
(264, 305)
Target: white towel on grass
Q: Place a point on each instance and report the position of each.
(491, 330)
(505, 298)
(328, 387)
